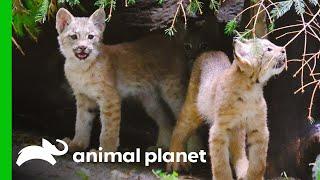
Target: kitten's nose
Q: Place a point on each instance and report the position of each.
(82, 48)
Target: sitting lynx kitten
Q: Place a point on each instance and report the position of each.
(231, 98)
(101, 75)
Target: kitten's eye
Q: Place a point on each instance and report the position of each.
(74, 37)
(90, 36)
(269, 49)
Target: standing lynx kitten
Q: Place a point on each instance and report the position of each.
(101, 75)
(230, 97)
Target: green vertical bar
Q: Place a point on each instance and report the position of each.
(5, 91)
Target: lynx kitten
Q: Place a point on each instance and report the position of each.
(230, 97)
(101, 75)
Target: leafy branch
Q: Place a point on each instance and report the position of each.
(111, 4)
(27, 15)
(308, 26)
(193, 7)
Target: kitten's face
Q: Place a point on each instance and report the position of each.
(80, 37)
(260, 56)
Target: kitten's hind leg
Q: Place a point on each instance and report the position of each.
(156, 111)
(173, 93)
(187, 124)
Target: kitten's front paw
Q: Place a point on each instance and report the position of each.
(178, 166)
(72, 145)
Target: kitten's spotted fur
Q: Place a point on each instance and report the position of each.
(101, 75)
(230, 97)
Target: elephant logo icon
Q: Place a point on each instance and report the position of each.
(44, 152)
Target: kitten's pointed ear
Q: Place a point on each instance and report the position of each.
(99, 19)
(242, 54)
(63, 19)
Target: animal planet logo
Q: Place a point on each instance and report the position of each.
(44, 152)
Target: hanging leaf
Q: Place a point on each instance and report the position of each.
(299, 6)
(43, 11)
(105, 3)
(314, 2)
(247, 34)
(131, 2)
(231, 27)
(69, 2)
(271, 26)
(282, 8)
(23, 21)
(214, 5)
(160, 2)
(170, 31)
(194, 7)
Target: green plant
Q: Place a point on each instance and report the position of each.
(214, 5)
(165, 176)
(82, 174)
(160, 1)
(27, 15)
(170, 31)
(231, 27)
(194, 7)
(69, 2)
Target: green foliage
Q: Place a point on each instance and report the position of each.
(247, 34)
(105, 3)
(231, 27)
(194, 7)
(69, 2)
(165, 176)
(160, 2)
(42, 12)
(282, 8)
(27, 14)
(170, 31)
(271, 26)
(314, 2)
(214, 5)
(82, 174)
(108, 4)
(131, 2)
(23, 19)
(279, 9)
(299, 6)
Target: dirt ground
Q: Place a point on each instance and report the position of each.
(67, 169)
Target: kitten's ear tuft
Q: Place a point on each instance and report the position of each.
(63, 19)
(242, 54)
(98, 18)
